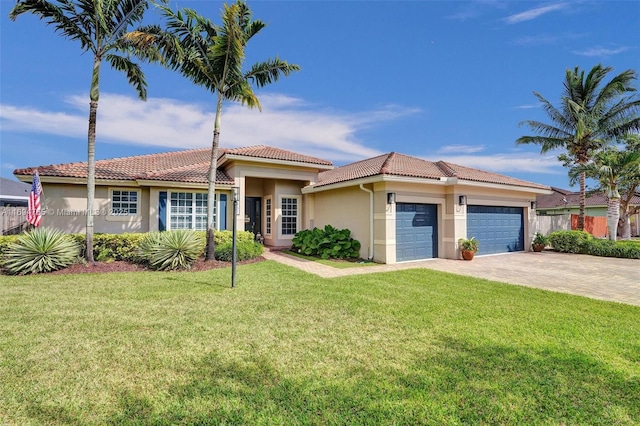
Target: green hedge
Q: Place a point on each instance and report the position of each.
(570, 241)
(125, 246)
(245, 250)
(584, 243)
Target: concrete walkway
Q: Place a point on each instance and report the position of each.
(603, 278)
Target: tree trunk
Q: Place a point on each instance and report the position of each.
(613, 214)
(210, 252)
(583, 198)
(91, 157)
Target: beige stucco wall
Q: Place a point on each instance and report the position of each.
(344, 208)
(64, 208)
(349, 208)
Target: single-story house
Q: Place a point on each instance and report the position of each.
(399, 207)
(562, 202)
(13, 193)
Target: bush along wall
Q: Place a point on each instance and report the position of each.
(124, 247)
(584, 243)
(326, 243)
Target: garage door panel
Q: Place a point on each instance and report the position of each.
(498, 229)
(416, 231)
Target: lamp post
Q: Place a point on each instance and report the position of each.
(235, 193)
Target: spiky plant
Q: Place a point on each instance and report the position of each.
(41, 250)
(171, 250)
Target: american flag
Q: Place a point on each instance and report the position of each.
(34, 210)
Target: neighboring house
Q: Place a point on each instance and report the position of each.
(14, 198)
(13, 193)
(399, 207)
(562, 202)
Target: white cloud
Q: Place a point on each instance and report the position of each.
(527, 106)
(461, 149)
(600, 51)
(284, 122)
(521, 162)
(536, 40)
(530, 14)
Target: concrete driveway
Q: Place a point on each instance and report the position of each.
(604, 278)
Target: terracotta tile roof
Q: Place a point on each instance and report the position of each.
(477, 175)
(189, 166)
(194, 173)
(404, 165)
(557, 199)
(268, 152)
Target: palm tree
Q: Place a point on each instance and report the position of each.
(101, 27)
(213, 58)
(628, 187)
(590, 115)
(612, 169)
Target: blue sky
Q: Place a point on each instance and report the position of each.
(437, 80)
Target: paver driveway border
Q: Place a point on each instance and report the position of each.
(604, 278)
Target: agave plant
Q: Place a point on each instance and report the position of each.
(171, 249)
(41, 250)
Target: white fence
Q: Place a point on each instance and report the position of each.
(13, 220)
(547, 224)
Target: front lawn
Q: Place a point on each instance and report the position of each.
(286, 347)
(334, 263)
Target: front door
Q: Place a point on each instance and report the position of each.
(252, 218)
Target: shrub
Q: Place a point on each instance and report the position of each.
(113, 246)
(326, 243)
(40, 250)
(570, 241)
(171, 249)
(245, 250)
(607, 248)
(6, 241)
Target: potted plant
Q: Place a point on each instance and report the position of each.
(468, 247)
(539, 242)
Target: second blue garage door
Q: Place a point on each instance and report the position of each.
(497, 229)
(416, 231)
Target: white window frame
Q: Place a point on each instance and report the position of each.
(268, 215)
(115, 213)
(281, 216)
(194, 210)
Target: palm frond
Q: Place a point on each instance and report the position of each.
(270, 71)
(134, 72)
(64, 18)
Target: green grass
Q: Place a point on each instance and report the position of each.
(334, 263)
(286, 347)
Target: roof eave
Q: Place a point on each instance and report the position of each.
(236, 157)
(534, 190)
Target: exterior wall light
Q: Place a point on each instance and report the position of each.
(462, 200)
(391, 198)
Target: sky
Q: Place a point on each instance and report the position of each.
(436, 80)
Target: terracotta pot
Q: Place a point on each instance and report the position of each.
(538, 247)
(467, 254)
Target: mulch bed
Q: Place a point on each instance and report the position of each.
(120, 266)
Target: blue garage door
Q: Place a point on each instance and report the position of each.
(416, 231)
(497, 229)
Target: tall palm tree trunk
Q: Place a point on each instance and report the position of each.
(211, 191)
(91, 178)
(94, 95)
(583, 198)
(613, 214)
